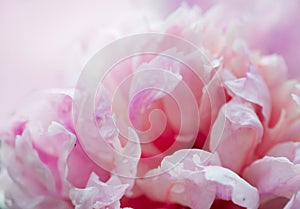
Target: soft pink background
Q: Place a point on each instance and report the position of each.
(41, 39)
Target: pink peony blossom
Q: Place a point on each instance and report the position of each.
(216, 127)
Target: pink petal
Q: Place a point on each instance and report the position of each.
(152, 81)
(194, 178)
(35, 183)
(80, 166)
(181, 181)
(53, 148)
(104, 137)
(294, 202)
(235, 134)
(290, 150)
(284, 124)
(273, 69)
(252, 88)
(230, 186)
(283, 100)
(127, 167)
(274, 177)
(212, 100)
(98, 194)
(19, 198)
(25, 167)
(62, 166)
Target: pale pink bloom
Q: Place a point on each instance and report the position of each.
(246, 152)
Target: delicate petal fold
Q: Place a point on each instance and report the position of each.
(212, 100)
(290, 150)
(57, 129)
(182, 181)
(194, 178)
(285, 121)
(273, 70)
(47, 182)
(274, 177)
(235, 134)
(294, 202)
(119, 145)
(98, 194)
(252, 88)
(229, 186)
(152, 81)
(127, 162)
(43, 156)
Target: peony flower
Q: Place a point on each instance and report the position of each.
(211, 125)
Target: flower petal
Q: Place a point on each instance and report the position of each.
(274, 177)
(290, 150)
(294, 202)
(235, 134)
(127, 161)
(47, 184)
(212, 100)
(252, 88)
(231, 186)
(196, 180)
(98, 194)
(273, 70)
